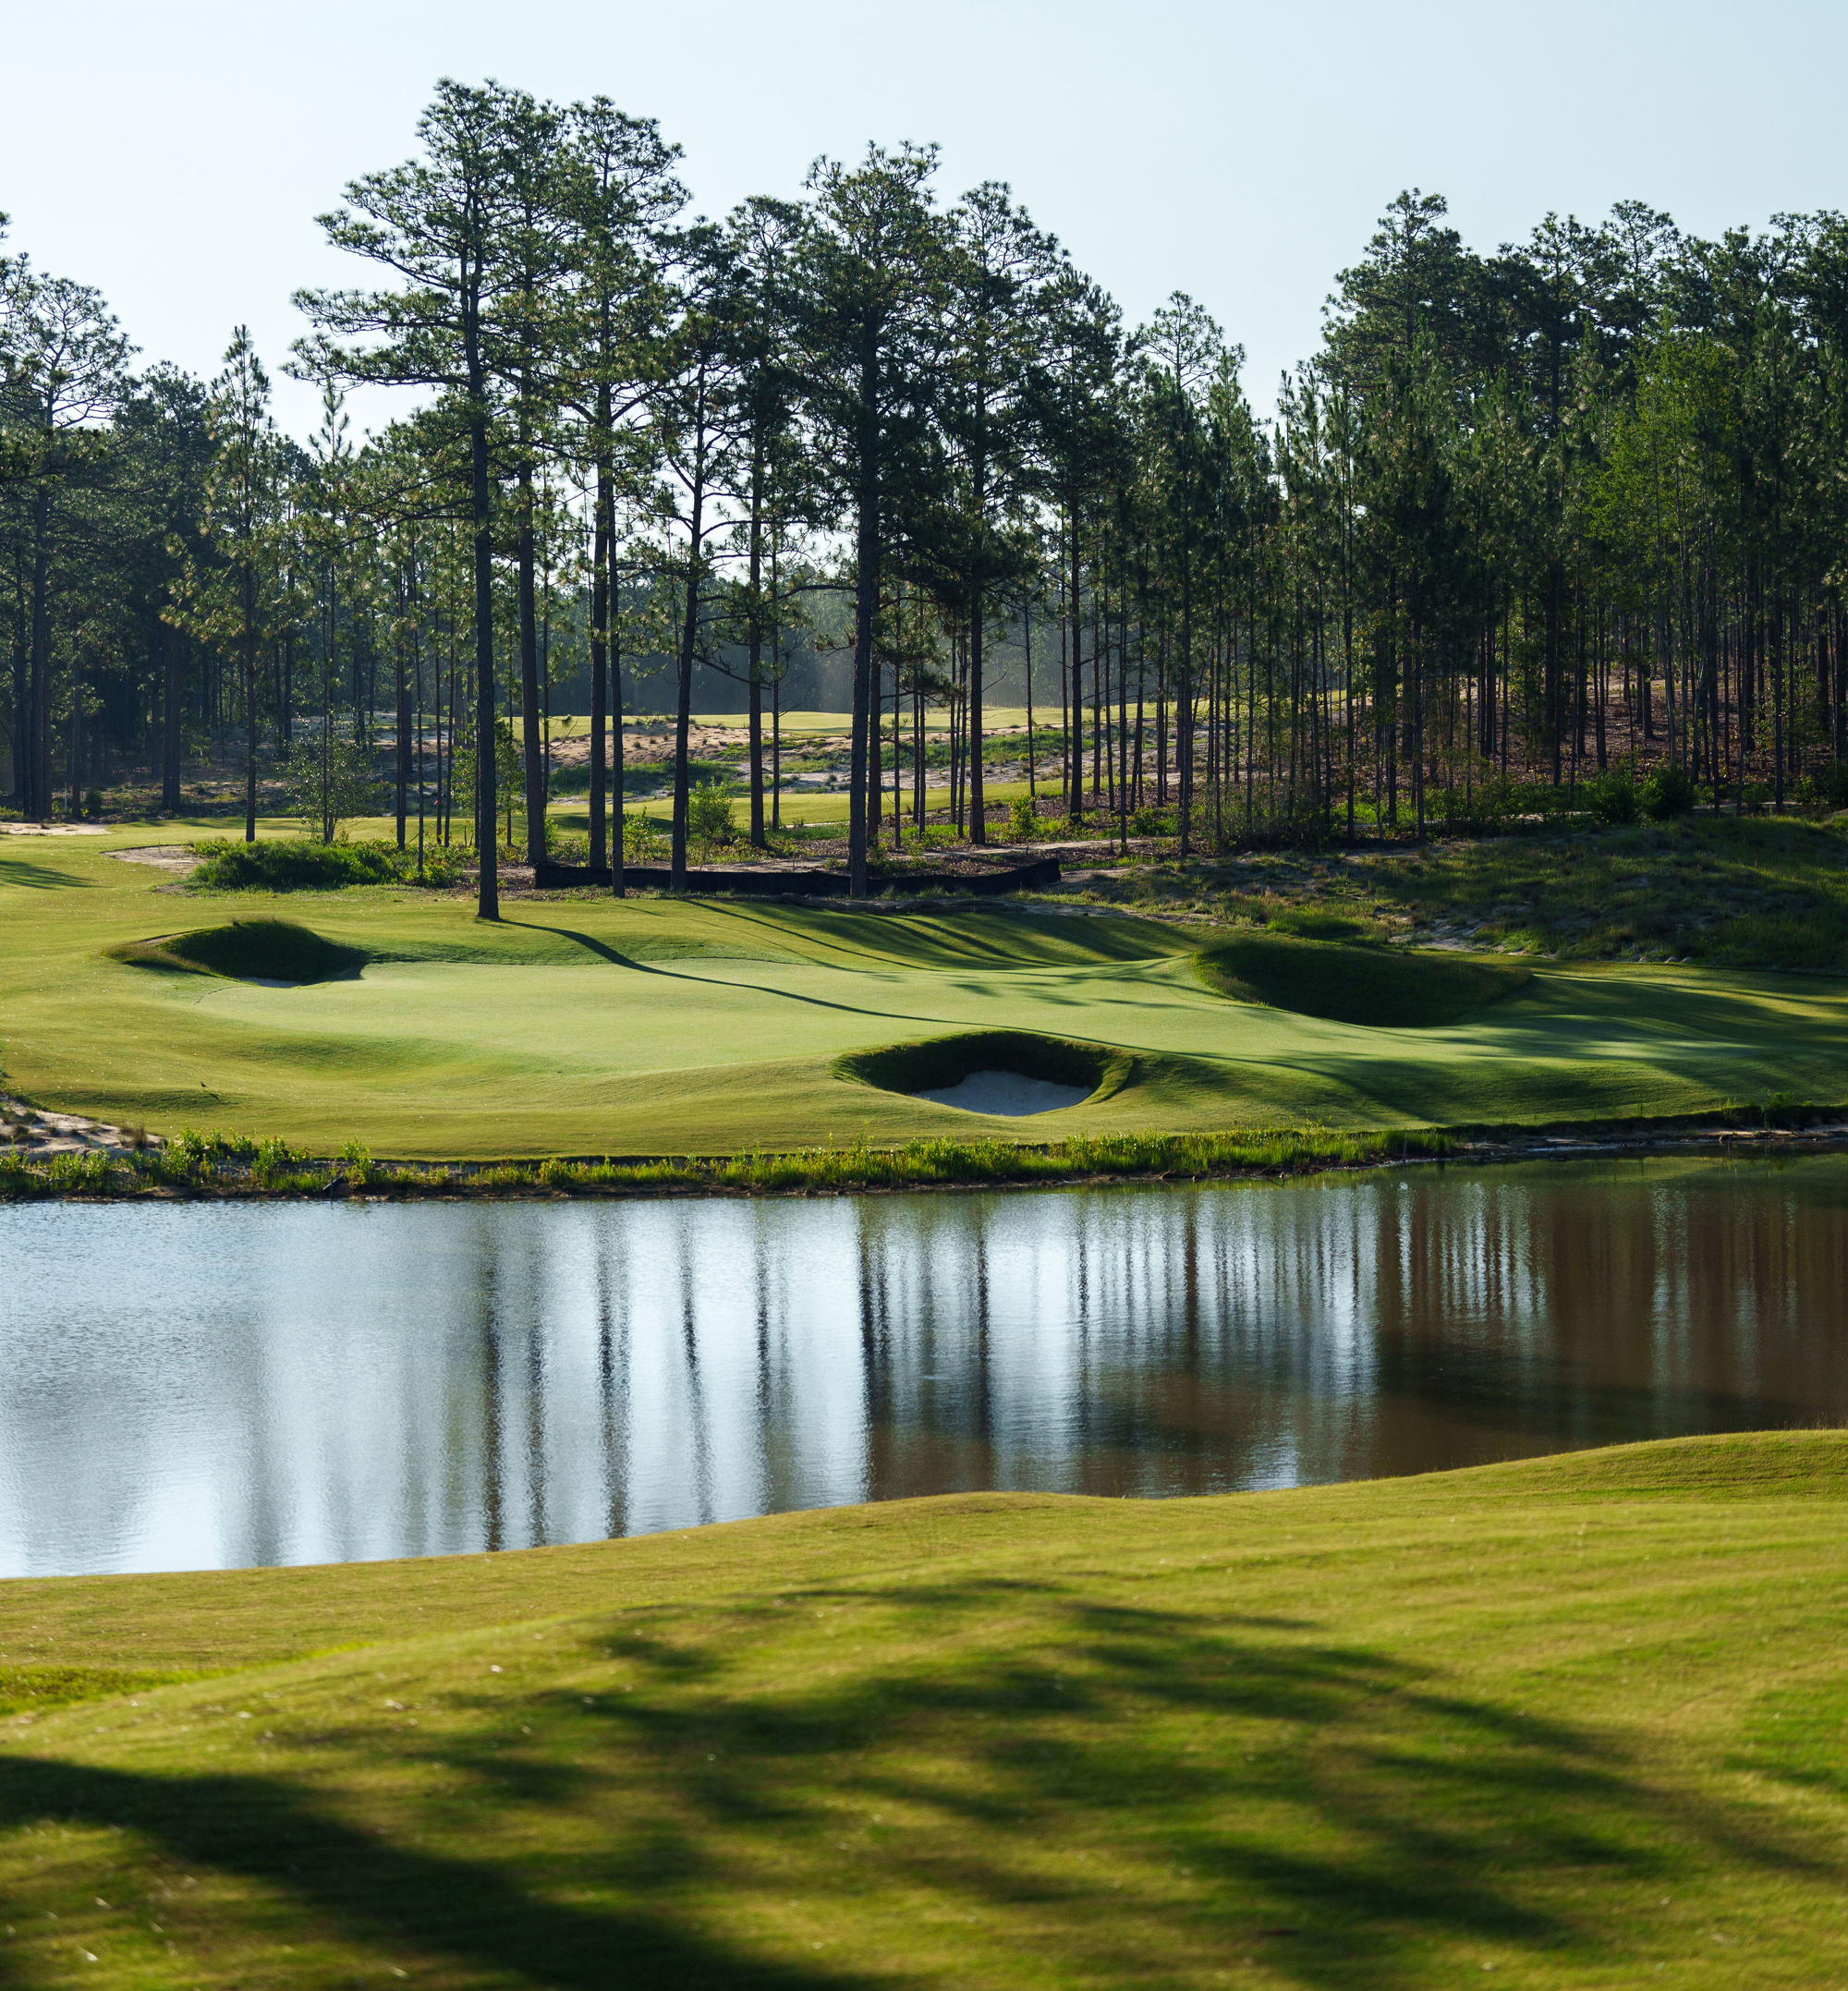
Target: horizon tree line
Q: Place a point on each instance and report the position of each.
(1525, 519)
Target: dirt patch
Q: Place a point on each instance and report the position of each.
(39, 1135)
(178, 859)
(54, 829)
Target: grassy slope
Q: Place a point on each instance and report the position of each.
(1763, 892)
(1579, 1719)
(558, 1031)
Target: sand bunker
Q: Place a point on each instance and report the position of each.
(1012, 1093)
(178, 859)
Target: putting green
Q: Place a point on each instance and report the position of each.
(590, 1026)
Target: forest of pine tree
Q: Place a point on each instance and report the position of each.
(1558, 528)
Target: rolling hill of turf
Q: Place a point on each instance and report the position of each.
(588, 1026)
(247, 950)
(1382, 988)
(1574, 1722)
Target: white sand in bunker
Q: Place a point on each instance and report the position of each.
(1006, 1092)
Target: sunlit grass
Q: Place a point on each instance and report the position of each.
(1577, 1722)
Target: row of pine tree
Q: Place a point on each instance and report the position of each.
(1525, 523)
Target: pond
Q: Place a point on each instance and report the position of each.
(211, 1385)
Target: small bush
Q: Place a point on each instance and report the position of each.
(709, 815)
(295, 864)
(1825, 788)
(88, 1170)
(1668, 793)
(275, 1159)
(1611, 797)
(1023, 819)
(1152, 822)
(641, 838)
(326, 783)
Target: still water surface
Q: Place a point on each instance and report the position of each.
(195, 1386)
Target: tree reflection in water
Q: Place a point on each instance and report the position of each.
(196, 1386)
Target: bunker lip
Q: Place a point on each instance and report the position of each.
(1009, 1072)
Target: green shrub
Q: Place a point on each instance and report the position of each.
(87, 1170)
(1611, 797)
(1023, 819)
(356, 1158)
(275, 1159)
(1822, 788)
(641, 838)
(1152, 822)
(709, 815)
(324, 783)
(1668, 793)
(297, 865)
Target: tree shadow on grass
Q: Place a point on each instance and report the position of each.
(1360, 1809)
(370, 1890)
(32, 876)
(1015, 1777)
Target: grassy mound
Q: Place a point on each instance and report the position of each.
(1318, 922)
(297, 864)
(933, 1063)
(247, 950)
(1577, 1721)
(1385, 987)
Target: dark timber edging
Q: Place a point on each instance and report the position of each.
(761, 882)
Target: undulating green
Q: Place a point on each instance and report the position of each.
(587, 1026)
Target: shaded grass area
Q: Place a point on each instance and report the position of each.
(1729, 892)
(1573, 1721)
(1756, 893)
(247, 950)
(1359, 985)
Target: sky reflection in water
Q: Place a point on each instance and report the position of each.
(192, 1386)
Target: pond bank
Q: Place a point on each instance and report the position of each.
(70, 1157)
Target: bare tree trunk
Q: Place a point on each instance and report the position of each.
(487, 894)
(600, 652)
(39, 694)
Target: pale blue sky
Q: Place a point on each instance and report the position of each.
(175, 155)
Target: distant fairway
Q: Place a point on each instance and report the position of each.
(651, 1025)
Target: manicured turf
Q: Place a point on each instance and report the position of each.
(1575, 1722)
(1375, 986)
(588, 1026)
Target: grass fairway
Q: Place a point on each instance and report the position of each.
(1577, 1721)
(589, 1026)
